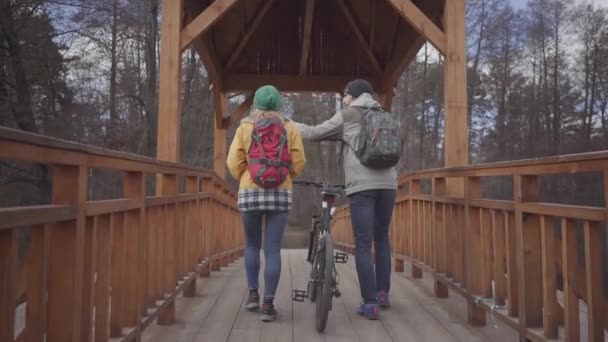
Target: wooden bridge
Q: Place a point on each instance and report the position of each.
(108, 269)
(162, 261)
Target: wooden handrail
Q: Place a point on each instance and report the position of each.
(572, 163)
(147, 250)
(512, 257)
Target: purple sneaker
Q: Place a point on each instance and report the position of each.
(383, 300)
(369, 311)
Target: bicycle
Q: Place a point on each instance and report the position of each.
(323, 281)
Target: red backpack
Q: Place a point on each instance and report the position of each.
(269, 157)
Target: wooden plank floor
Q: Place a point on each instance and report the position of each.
(216, 313)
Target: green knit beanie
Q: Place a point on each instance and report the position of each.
(267, 98)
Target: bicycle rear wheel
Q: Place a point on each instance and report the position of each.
(325, 285)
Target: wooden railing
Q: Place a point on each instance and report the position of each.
(523, 261)
(95, 270)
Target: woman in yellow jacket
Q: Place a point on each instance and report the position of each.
(256, 203)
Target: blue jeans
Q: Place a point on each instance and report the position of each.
(371, 213)
(275, 225)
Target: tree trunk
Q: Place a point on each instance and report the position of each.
(114, 119)
(421, 160)
(150, 56)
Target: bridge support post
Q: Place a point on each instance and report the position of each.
(190, 289)
(169, 121)
(399, 266)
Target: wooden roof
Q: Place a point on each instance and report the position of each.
(308, 45)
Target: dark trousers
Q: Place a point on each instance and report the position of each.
(371, 213)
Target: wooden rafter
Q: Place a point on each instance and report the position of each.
(252, 28)
(239, 112)
(239, 82)
(419, 21)
(308, 15)
(204, 21)
(357, 31)
(372, 25)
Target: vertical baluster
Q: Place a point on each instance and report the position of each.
(8, 283)
(569, 264)
(117, 275)
(486, 251)
(595, 289)
(103, 277)
(473, 252)
(37, 275)
(168, 187)
(498, 223)
(439, 239)
(512, 271)
(550, 305)
(528, 253)
(415, 220)
(90, 256)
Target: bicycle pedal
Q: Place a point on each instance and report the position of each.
(299, 295)
(341, 258)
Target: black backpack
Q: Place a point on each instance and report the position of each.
(379, 145)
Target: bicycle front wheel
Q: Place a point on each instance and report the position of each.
(325, 287)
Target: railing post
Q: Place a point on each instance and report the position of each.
(529, 263)
(168, 187)
(216, 214)
(191, 234)
(438, 235)
(415, 247)
(398, 227)
(207, 214)
(473, 253)
(9, 240)
(134, 188)
(67, 256)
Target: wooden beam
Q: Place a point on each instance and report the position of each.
(419, 21)
(455, 81)
(372, 24)
(203, 22)
(252, 28)
(308, 15)
(170, 83)
(386, 98)
(239, 113)
(241, 82)
(357, 31)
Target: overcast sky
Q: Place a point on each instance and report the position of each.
(604, 3)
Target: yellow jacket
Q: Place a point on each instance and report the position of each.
(237, 155)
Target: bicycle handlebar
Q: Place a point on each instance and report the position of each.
(318, 185)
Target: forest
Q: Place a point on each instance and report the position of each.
(87, 71)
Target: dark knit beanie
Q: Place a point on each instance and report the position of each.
(267, 98)
(357, 87)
